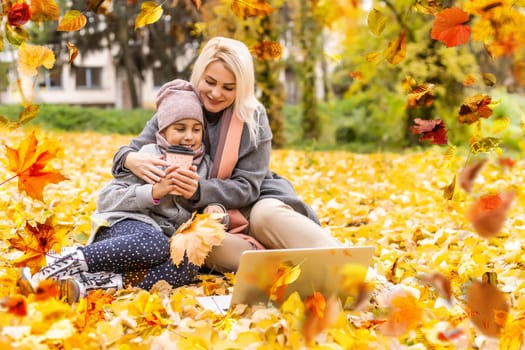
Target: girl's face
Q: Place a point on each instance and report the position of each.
(185, 132)
(216, 89)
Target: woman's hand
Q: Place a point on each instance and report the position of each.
(184, 180)
(145, 166)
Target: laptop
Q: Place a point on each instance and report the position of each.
(268, 277)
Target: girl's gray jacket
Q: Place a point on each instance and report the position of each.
(251, 179)
(129, 197)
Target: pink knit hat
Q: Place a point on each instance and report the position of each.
(177, 100)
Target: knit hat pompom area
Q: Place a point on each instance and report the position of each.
(177, 100)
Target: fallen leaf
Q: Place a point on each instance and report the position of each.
(16, 305)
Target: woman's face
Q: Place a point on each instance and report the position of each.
(216, 89)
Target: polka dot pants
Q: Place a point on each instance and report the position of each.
(139, 252)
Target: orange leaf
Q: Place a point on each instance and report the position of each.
(404, 314)
(447, 27)
(73, 20)
(320, 313)
(488, 308)
(396, 50)
(489, 212)
(251, 8)
(468, 175)
(30, 57)
(47, 289)
(35, 244)
(267, 50)
(16, 305)
(44, 10)
(474, 108)
(421, 95)
(73, 51)
(29, 163)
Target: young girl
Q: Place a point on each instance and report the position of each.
(129, 244)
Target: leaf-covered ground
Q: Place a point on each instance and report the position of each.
(392, 201)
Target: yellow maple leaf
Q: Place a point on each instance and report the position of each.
(30, 57)
(251, 8)
(35, 243)
(44, 10)
(29, 163)
(195, 238)
(73, 20)
(150, 12)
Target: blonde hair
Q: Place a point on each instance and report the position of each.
(236, 57)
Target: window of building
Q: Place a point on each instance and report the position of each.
(51, 79)
(89, 77)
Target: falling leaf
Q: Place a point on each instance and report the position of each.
(506, 162)
(488, 308)
(35, 243)
(421, 95)
(489, 79)
(29, 163)
(428, 6)
(73, 52)
(320, 314)
(396, 50)
(448, 191)
(488, 213)
(500, 124)
(287, 273)
(44, 10)
(251, 8)
(18, 14)
(448, 27)
(30, 57)
(197, 3)
(376, 21)
(469, 80)
(73, 20)
(485, 145)
(433, 130)
(356, 75)
(440, 283)
(150, 12)
(474, 108)
(374, 57)
(267, 50)
(16, 35)
(451, 334)
(468, 175)
(404, 313)
(100, 6)
(195, 238)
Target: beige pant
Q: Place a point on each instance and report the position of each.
(276, 225)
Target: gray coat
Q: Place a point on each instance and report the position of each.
(129, 197)
(251, 179)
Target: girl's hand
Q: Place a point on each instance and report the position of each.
(162, 188)
(145, 166)
(185, 180)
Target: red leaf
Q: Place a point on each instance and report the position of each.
(16, 305)
(18, 14)
(433, 130)
(447, 27)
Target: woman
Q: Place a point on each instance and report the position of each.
(239, 142)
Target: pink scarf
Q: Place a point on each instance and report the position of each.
(224, 161)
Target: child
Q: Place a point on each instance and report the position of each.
(134, 219)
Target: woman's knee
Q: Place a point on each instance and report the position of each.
(264, 211)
